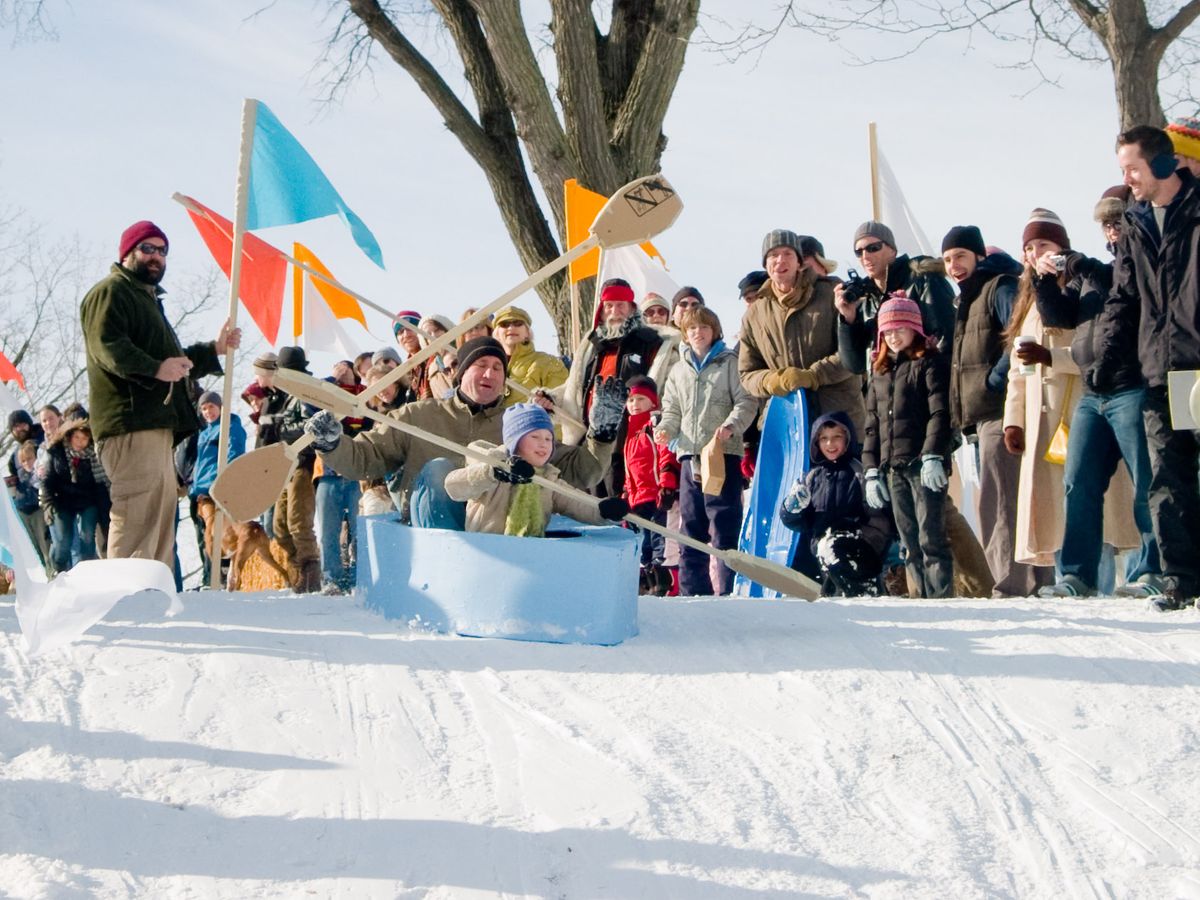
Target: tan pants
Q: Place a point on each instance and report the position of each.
(144, 495)
(294, 512)
(972, 577)
(35, 524)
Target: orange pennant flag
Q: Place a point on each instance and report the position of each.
(8, 372)
(343, 305)
(264, 269)
(582, 207)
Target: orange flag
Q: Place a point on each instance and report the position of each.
(8, 372)
(264, 269)
(582, 207)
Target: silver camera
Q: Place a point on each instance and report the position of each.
(1060, 262)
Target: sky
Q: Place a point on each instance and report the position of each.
(135, 100)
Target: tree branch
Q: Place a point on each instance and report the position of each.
(1176, 25)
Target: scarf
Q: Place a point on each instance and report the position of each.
(524, 517)
(86, 459)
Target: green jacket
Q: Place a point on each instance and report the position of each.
(127, 336)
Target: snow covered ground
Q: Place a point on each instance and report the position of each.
(280, 746)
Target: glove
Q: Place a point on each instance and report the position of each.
(781, 382)
(326, 430)
(933, 473)
(667, 498)
(877, 492)
(1099, 379)
(608, 408)
(798, 498)
(1014, 440)
(519, 471)
(613, 508)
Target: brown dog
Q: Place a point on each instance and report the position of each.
(240, 542)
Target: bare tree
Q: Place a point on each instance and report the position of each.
(600, 121)
(1149, 45)
(29, 20)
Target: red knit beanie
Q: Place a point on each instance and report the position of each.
(135, 234)
(644, 386)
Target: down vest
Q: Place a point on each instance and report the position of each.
(908, 412)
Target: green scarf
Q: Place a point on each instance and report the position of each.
(524, 518)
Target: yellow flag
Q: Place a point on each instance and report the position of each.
(582, 207)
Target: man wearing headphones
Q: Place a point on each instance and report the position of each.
(1156, 292)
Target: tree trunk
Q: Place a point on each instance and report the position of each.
(613, 93)
(1135, 56)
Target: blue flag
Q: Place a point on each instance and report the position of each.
(286, 186)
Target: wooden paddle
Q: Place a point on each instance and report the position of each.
(554, 413)
(635, 213)
(766, 572)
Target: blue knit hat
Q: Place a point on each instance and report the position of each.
(521, 419)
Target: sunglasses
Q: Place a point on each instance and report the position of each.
(150, 249)
(688, 304)
(868, 248)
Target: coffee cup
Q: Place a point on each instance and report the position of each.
(1025, 368)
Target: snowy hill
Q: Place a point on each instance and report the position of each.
(302, 746)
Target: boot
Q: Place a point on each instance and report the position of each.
(646, 581)
(664, 581)
(310, 577)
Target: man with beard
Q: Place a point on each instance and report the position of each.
(139, 393)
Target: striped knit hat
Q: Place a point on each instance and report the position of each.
(900, 312)
(1185, 136)
(1046, 226)
(1112, 203)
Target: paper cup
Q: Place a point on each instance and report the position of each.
(1025, 368)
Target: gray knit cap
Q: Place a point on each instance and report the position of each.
(876, 230)
(781, 237)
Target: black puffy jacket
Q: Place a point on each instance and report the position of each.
(1078, 304)
(908, 411)
(835, 488)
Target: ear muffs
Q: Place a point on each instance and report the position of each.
(1163, 165)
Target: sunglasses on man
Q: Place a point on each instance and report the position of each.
(869, 248)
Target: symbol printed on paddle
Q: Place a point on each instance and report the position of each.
(645, 197)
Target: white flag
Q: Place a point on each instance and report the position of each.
(644, 273)
(895, 213)
(56, 612)
(322, 330)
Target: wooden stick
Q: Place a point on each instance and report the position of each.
(874, 153)
(562, 416)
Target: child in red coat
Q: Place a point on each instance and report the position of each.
(651, 480)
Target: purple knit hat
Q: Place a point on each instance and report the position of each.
(899, 312)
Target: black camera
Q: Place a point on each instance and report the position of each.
(855, 288)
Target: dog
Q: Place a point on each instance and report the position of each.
(240, 542)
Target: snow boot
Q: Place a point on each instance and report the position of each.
(1070, 586)
(664, 581)
(646, 581)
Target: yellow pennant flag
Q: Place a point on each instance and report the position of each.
(340, 303)
(582, 207)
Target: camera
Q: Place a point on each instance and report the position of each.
(1060, 262)
(855, 288)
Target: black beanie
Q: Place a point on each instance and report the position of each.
(965, 237)
(473, 350)
(754, 279)
(19, 417)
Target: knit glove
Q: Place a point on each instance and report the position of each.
(798, 498)
(326, 430)
(877, 492)
(519, 471)
(933, 473)
(613, 508)
(608, 408)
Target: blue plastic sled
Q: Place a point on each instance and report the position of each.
(782, 458)
(580, 589)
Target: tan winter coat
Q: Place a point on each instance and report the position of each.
(488, 499)
(801, 331)
(382, 450)
(1037, 403)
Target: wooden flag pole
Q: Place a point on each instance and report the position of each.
(874, 153)
(241, 198)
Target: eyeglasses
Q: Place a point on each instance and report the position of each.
(509, 323)
(868, 248)
(150, 249)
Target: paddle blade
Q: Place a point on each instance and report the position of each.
(637, 212)
(248, 486)
(770, 574)
(316, 392)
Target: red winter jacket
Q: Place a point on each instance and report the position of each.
(649, 467)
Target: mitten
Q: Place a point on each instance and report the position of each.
(614, 508)
(519, 471)
(877, 492)
(608, 408)
(326, 430)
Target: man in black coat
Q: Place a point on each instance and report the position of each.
(1156, 292)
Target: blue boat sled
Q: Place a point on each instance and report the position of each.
(577, 587)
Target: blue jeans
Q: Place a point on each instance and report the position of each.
(1104, 431)
(337, 502)
(69, 526)
(429, 506)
